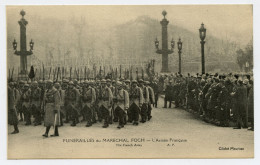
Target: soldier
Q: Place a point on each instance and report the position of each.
(12, 113)
(52, 109)
(96, 104)
(105, 102)
(71, 102)
(136, 101)
(127, 85)
(25, 98)
(155, 87)
(151, 100)
(88, 97)
(146, 100)
(240, 96)
(62, 91)
(121, 104)
(35, 103)
(19, 101)
(168, 94)
(115, 117)
(250, 105)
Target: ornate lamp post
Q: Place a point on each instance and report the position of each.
(179, 48)
(202, 31)
(164, 51)
(23, 53)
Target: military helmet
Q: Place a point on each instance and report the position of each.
(108, 80)
(26, 85)
(71, 83)
(127, 81)
(103, 81)
(86, 82)
(134, 81)
(140, 80)
(49, 81)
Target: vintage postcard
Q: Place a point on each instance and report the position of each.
(130, 81)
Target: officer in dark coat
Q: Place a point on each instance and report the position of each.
(168, 95)
(12, 113)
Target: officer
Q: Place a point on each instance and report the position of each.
(52, 109)
(146, 100)
(105, 102)
(12, 113)
(121, 104)
(136, 101)
(151, 100)
(25, 98)
(88, 98)
(35, 102)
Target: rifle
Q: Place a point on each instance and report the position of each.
(142, 73)
(43, 73)
(50, 73)
(70, 73)
(137, 74)
(58, 74)
(120, 71)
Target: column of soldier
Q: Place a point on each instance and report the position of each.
(58, 102)
(223, 100)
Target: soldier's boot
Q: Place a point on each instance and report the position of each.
(56, 132)
(16, 130)
(21, 116)
(106, 123)
(135, 123)
(74, 123)
(165, 104)
(47, 131)
(170, 104)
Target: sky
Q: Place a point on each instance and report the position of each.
(234, 22)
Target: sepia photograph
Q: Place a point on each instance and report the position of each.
(129, 81)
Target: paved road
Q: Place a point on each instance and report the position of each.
(172, 133)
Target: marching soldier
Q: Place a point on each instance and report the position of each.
(105, 102)
(12, 113)
(115, 117)
(151, 100)
(96, 104)
(72, 100)
(52, 109)
(121, 104)
(168, 94)
(146, 100)
(25, 98)
(136, 101)
(35, 103)
(88, 97)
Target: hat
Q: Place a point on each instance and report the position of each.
(108, 80)
(65, 81)
(34, 82)
(140, 80)
(246, 81)
(86, 82)
(134, 81)
(127, 81)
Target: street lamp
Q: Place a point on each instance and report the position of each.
(156, 42)
(31, 45)
(202, 32)
(179, 48)
(15, 45)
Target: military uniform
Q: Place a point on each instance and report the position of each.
(151, 100)
(146, 100)
(71, 103)
(136, 101)
(25, 99)
(121, 104)
(12, 113)
(88, 98)
(52, 109)
(105, 103)
(35, 103)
